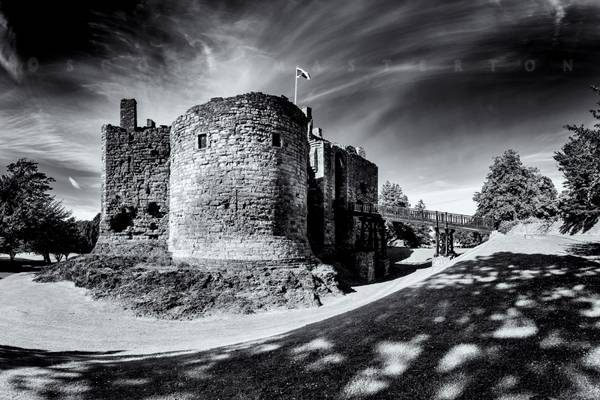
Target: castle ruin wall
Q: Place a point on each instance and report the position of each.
(135, 189)
(239, 181)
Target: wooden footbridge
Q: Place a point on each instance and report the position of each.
(444, 223)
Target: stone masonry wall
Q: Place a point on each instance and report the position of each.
(355, 182)
(322, 163)
(343, 176)
(362, 177)
(242, 197)
(135, 187)
(361, 243)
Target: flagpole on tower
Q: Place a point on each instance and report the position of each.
(296, 85)
(300, 73)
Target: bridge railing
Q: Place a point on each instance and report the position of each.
(436, 218)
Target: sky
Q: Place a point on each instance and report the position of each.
(432, 89)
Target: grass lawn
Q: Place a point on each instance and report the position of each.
(502, 325)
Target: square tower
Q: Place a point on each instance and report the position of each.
(129, 114)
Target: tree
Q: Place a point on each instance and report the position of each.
(421, 230)
(10, 242)
(579, 161)
(414, 235)
(23, 195)
(66, 239)
(12, 228)
(47, 234)
(88, 234)
(392, 195)
(468, 239)
(513, 191)
(32, 220)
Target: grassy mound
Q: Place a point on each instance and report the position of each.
(184, 291)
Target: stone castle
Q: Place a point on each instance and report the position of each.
(245, 179)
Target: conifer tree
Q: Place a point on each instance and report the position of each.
(392, 195)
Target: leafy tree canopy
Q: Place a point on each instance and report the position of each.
(392, 195)
(513, 191)
(414, 235)
(23, 199)
(88, 234)
(32, 220)
(579, 161)
(468, 239)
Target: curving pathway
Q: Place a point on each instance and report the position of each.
(61, 317)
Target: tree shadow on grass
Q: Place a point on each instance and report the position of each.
(506, 326)
(16, 357)
(396, 268)
(396, 254)
(588, 249)
(20, 265)
(399, 270)
(579, 223)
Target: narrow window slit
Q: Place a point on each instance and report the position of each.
(202, 141)
(276, 140)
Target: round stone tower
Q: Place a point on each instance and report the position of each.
(238, 183)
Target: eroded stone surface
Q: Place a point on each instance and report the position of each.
(135, 187)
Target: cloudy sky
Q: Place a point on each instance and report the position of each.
(432, 89)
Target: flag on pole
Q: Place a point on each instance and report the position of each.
(300, 73)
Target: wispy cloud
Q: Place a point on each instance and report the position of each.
(540, 157)
(9, 60)
(384, 77)
(74, 183)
